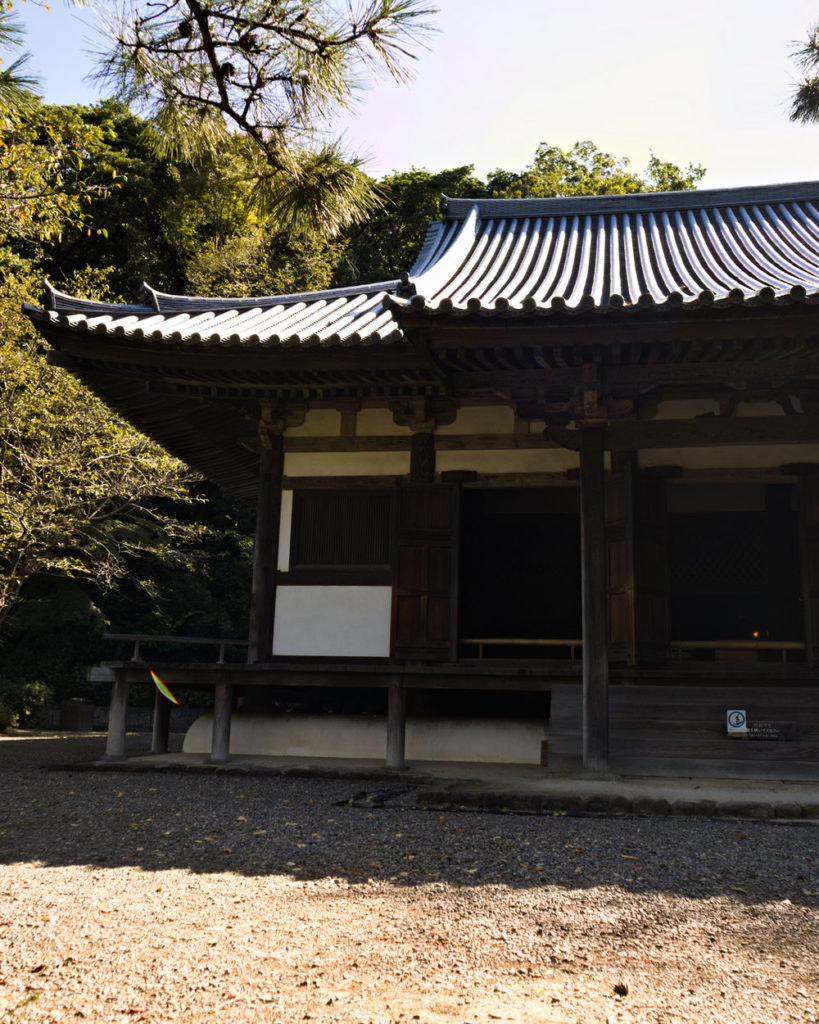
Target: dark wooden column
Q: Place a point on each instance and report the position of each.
(396, 724)
(162, 724)
(637, 544)
(266, 550)
(808, 501)
(422, 458)
(595, 630)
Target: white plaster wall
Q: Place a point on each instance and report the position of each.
(759, 409)
(764, 456)
(318, 423)
(491, 741)
(481, 419)
(332, 621)
(285, 527)
(517, 460)
(686, 408)
(377, 423)
(346, 463)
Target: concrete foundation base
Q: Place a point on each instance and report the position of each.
(490, 741)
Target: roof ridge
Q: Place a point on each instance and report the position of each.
(456, 209)
(166, 302)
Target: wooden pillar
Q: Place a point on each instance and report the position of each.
(266, 550)
(422, 457)
(808, 500)
(162, 724)
(222, 710)
(396, 724)
(117, 712)
(595, 632)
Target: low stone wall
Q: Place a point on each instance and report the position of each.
(486, 740)
(138, 720)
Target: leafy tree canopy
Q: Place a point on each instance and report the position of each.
(805, 99)
(275, 70)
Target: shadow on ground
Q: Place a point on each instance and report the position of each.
(319, 827)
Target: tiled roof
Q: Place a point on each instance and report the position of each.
(588, 255)
(598, 253)
(341, 316)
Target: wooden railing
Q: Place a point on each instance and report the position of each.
(678, 647)
(481, 642)
(140, 638)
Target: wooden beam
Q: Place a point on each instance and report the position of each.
(712, 431)
(265, 552)
(595, 631)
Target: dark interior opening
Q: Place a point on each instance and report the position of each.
(520, 569)
(734, 564)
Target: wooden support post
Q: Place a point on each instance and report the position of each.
(595, 632)
(118, 710)
(162, 724)
(422, 458)
(266, 550)
(808, 502)
(396, 724)
(222, 710)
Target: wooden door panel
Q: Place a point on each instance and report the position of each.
(412, 567)
(439, 619)
(439, 570)
(408, 621)
(425, 572)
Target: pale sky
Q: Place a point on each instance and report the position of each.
(706, 82)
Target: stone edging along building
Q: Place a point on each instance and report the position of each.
(573, 453)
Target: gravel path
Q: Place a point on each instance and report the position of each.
(151, 897)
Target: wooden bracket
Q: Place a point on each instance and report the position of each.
(423, 414)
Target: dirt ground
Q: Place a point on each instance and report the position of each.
(165, 897)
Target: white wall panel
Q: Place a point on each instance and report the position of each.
(346, 463)
(765, 456)
(285, 528)
(332, 621)
(480, 419)
(317, 423)
(518, 460)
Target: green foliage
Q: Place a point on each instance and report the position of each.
(584, 170)
(76, 482)
(275, 70)
(22, 702)
(805, 99)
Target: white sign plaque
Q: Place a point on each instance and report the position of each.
(736, 722)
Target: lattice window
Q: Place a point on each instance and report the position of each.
(341, 529)
(718, 553)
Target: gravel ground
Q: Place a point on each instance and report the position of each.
(170, 897)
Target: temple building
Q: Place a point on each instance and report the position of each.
(554, 493)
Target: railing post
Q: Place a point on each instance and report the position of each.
(222, 710)
(117, 713)
(161, 725)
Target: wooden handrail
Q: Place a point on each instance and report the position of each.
(139, 638)
(676, 645)
(523, 642)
